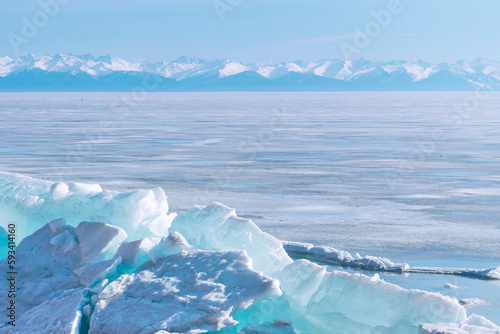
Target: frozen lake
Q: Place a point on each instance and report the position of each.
(409, 176)
(414, 177)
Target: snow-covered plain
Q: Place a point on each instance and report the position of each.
(362, 173)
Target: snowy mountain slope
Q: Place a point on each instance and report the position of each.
(94, 66)
(88, 72)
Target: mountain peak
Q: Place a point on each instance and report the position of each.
(373, 74)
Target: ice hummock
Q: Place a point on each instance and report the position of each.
(62, 314)
(363, 304)
(222, 271)
(31, 203)
(192, 291)
(216, 227)
(197, 289)
(45, 270)
(331, 255)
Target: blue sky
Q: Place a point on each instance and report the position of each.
(256, 30)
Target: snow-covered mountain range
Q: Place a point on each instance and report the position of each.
(67, 72)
